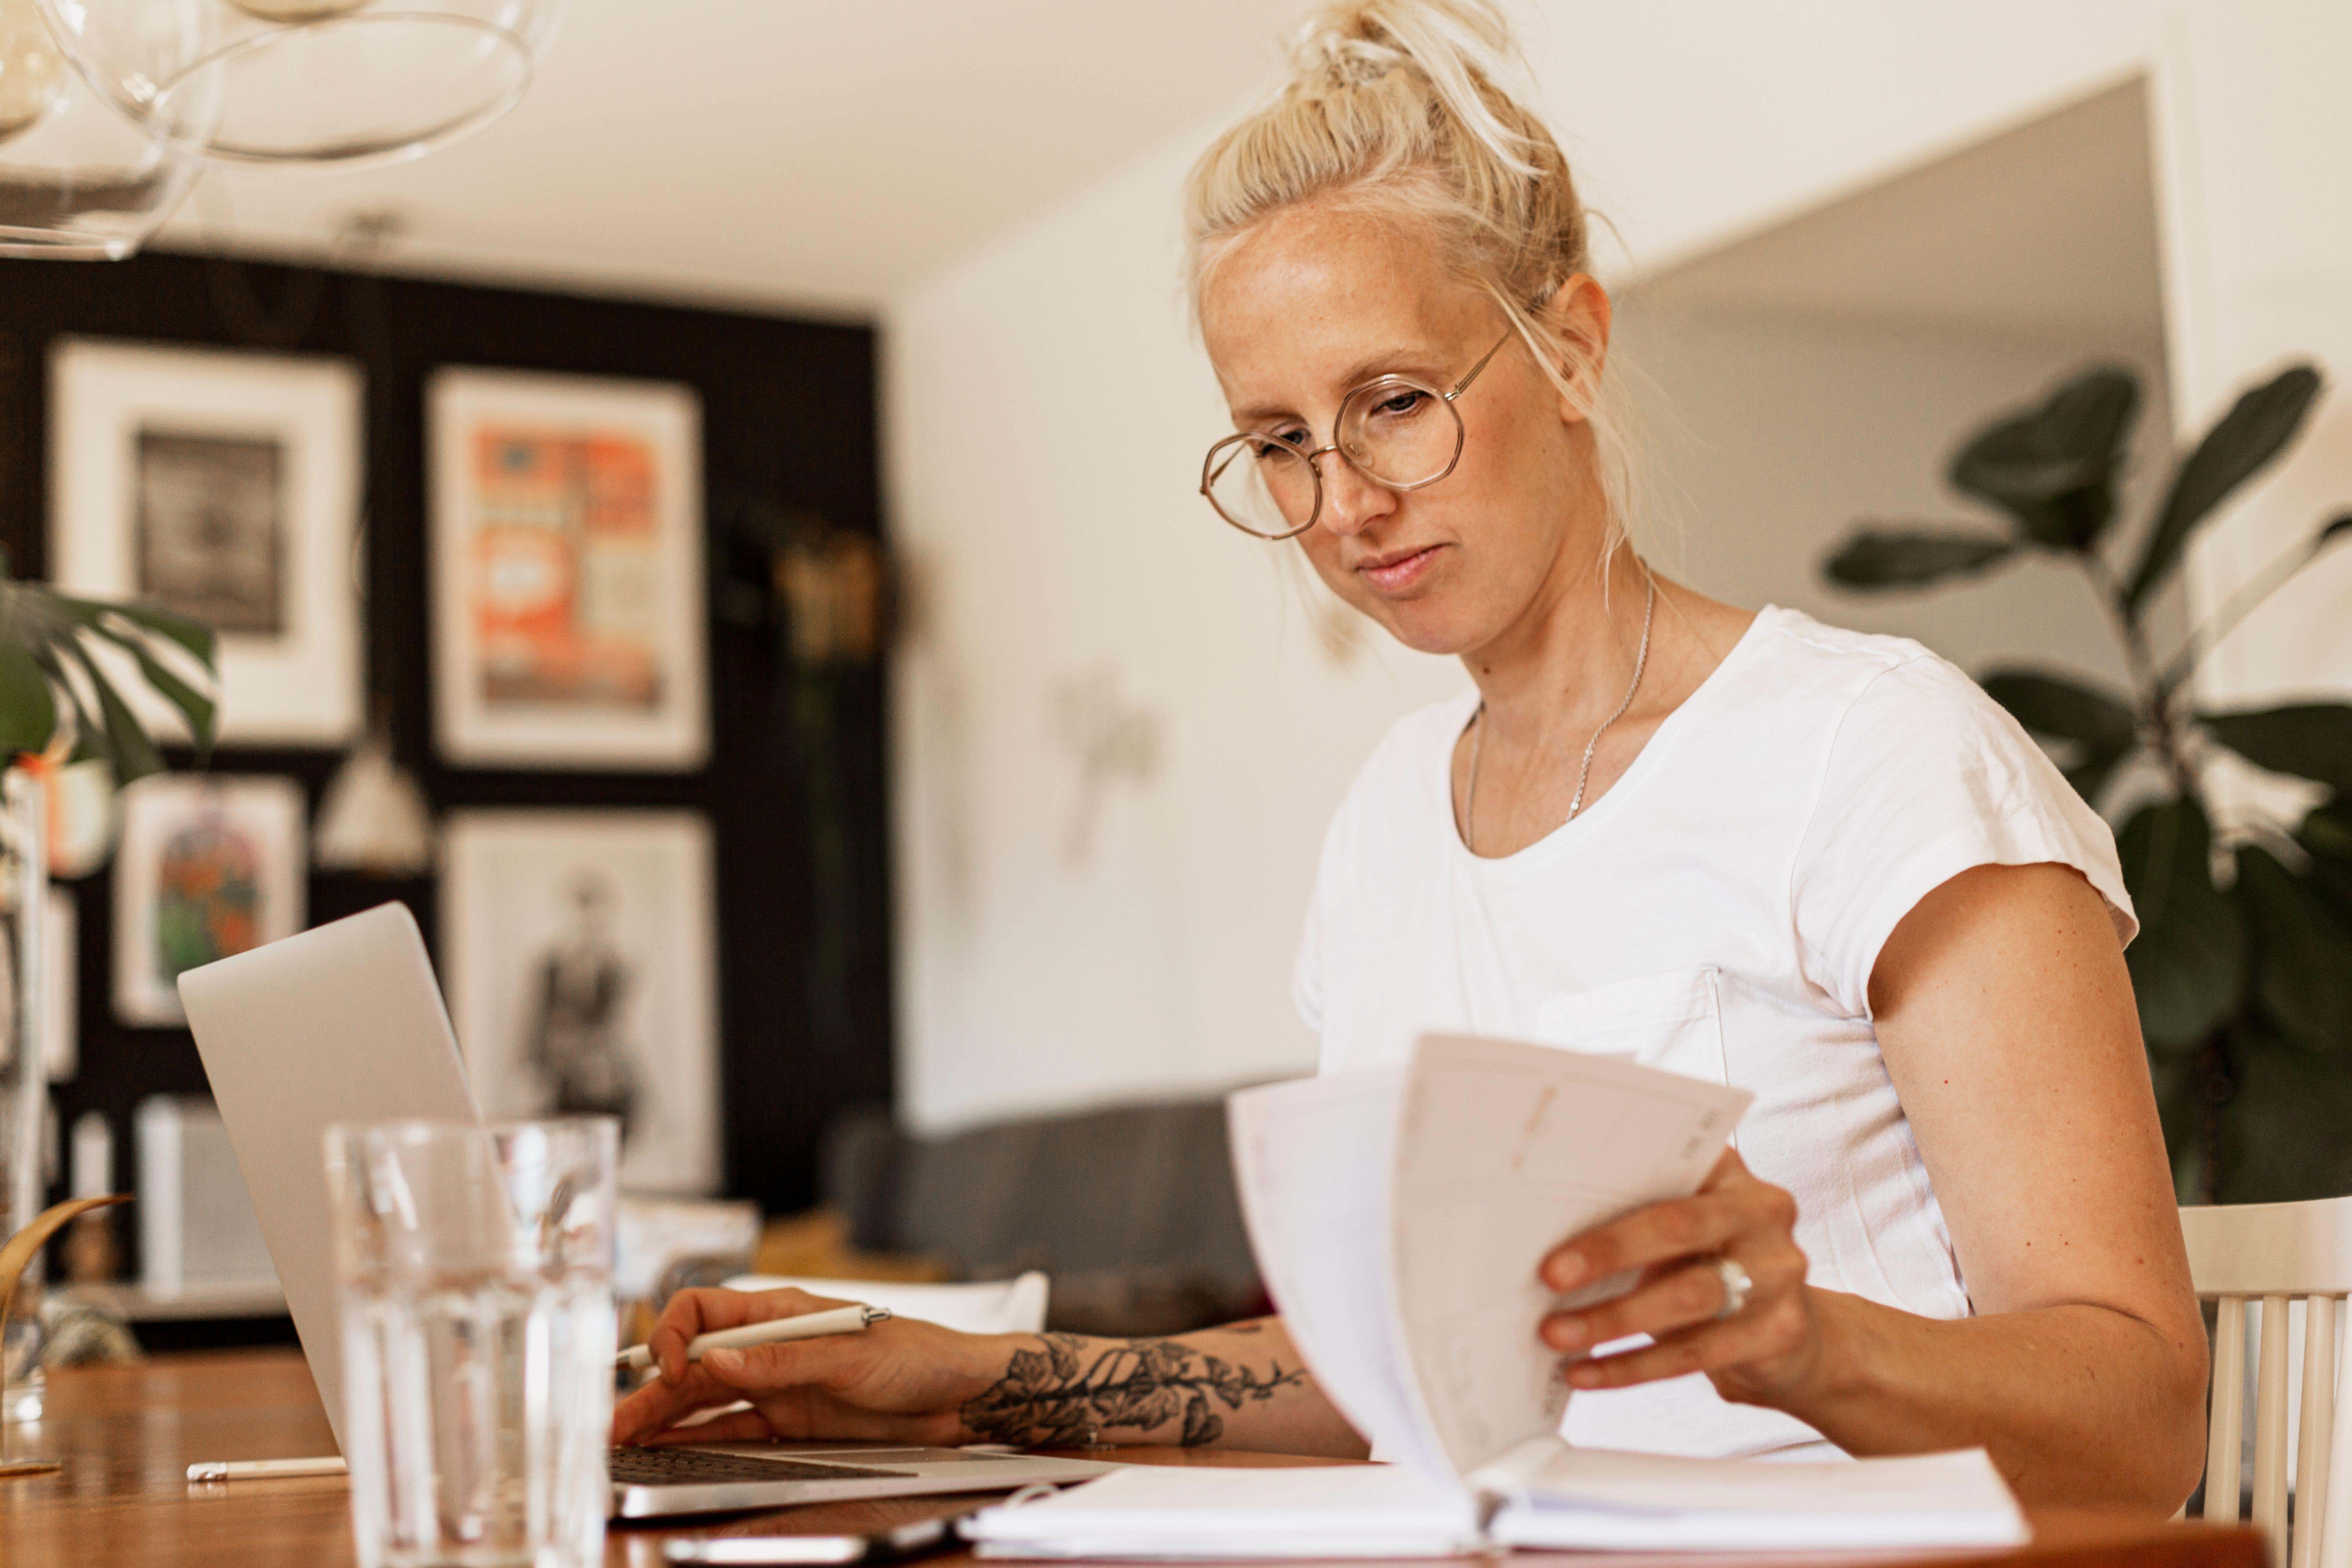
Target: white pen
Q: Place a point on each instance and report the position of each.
(264, 1470)
(807, 1326)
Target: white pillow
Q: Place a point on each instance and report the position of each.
(991, 1307)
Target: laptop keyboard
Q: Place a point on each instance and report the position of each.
(694, 1468)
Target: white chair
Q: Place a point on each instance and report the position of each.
(2277, 1254)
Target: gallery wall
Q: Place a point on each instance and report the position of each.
(786, 416)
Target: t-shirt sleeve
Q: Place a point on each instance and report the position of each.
(1927, 777)
(1307, 973)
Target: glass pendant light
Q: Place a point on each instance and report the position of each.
(307, 82)
(78, 181)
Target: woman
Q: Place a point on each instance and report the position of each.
(1817, 865)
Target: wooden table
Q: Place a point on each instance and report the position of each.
(126, 1436)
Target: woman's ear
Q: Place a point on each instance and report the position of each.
(1576, 318)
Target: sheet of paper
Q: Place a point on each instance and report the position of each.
(1589, 1497)
(1503, 1151)
(1166, 1511)
(1312, 1160)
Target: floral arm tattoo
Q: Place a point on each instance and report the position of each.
(1070, 1390)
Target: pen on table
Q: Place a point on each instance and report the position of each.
(264, 1470)
(807, 1326)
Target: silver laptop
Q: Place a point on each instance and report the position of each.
(345, 1024)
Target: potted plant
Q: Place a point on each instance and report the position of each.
(2243, 965)
(58, 705)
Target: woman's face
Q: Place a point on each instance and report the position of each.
(1313, 304)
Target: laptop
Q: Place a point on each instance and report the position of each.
(345, 1023)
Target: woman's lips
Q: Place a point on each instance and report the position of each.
(1395, 574)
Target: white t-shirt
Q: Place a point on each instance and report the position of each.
(1717, 913)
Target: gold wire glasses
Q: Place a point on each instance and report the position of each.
(1393, 430)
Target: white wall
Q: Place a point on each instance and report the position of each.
(1046, 408)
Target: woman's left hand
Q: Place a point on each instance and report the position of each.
(1758, 1354)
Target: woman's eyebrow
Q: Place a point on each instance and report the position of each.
(1388, 362)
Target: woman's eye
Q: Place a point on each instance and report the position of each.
(1295, 437)
(1402, 400)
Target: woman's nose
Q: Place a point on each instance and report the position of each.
(1350, 501)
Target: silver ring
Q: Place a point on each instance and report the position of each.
(1736, 1286)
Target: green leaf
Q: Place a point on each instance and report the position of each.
(134, 756)
(2255, 430)
(2281, 1127)
(194, 635)
(2309, 740)
(2303, 955)
(200, 711)
(2180, 1082)
(2052, 468)
(2188, 965)
(2054, 705)
(28, 709)
(1913, 557)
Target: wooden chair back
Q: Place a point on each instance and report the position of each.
(2278, 1253)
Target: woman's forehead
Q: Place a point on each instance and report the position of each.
(1317, 295)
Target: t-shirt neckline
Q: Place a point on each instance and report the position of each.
(1560, 839)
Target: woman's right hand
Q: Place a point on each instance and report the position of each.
(900, 1381)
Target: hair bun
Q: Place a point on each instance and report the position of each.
(1463, 49)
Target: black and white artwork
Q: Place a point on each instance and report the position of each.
(225, 485)
(578, 946)
(211, 528)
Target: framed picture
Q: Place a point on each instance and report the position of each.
(578, 951)
(567, 572)
(224, 486)
(209, 866)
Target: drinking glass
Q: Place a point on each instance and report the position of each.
(475, 1270)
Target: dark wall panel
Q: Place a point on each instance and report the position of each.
(789, 426)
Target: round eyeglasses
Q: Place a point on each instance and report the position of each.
(1395, 431)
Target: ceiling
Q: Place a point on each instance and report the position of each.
(2046, 230)
(807, 155)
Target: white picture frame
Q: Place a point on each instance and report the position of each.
(209, 865)
(560, 640)
(226, 485)
(579, 952)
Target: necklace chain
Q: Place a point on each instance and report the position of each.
(1584, 770)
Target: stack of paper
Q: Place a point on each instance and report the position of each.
(1397, 1219)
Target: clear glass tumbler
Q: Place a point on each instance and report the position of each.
(475, 1266)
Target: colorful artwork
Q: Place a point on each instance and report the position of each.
(209, 866)
(568, 586)
(566, 568)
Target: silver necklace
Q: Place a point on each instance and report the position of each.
(1584, 770)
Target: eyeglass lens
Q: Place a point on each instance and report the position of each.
(1397, 433)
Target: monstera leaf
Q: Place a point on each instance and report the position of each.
(1887, 557)
(47, 669)
(2255, 430)
(2053, 467)
(2188, 965)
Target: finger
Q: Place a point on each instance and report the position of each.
(663, 1402)
(1653, 1233)
(832, 1362)
(1709, 1347)
(740, 1426)
(700, 1310)
(1672, 1298)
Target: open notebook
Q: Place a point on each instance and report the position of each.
(1397, 1217)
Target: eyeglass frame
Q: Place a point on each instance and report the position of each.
(1209, 469)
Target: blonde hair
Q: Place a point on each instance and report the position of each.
(1416, 110)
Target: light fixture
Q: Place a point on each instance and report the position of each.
(77, 180)
(307, 82)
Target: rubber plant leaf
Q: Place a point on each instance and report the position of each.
(2255, 430)
(2188, 965)
(2309, 740)
(2282, 1123)
(2302, 954)
(2052, 468)
(1876, 557)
